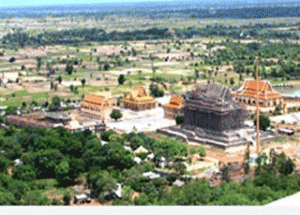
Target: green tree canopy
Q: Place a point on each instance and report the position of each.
(264, 122)
(116, 114)
(121, 79)
(62, 172)
(170, 148)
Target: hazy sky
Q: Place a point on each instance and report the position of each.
(4, 3)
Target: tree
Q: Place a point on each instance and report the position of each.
(180, 167)
(102, 182)
(170, 148)
(9, 130)
(24, 105)
(72, 87)
(105, 135)
(264, 122)
(286, 165)
(62, 172)
(232, 82)
(67, 198)
(24, 173)
(202, 151)
(83, 81)
(39, 63)
(12, 59)
(56, 101)
(247, 159)
(59, 79)
(121, 79)
(69, 68)
(156, 91)
(106, 67)
(3, 163)
(179, 119)
(2, 119)
(116, 114)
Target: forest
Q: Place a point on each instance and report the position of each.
(57, 158)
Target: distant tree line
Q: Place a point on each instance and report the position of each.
(78, 36)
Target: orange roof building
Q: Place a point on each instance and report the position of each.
(174, 107)
(138, 99)
(267, 96)
(97, 105)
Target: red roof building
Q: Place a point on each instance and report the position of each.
(96, 105)
(267, 96)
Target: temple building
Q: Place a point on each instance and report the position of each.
(213, 108)
(267, 96)
(97, 105)
(174, 107)
(213, 117)
(138, 100)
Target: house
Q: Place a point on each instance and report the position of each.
(103, 142)
(18, 162)
(151, 175)
(114, 193)
(81, 199)
(137, 160)
(128, 148)
(161, 162)
(3, 110)
(178, 183)
(150, 156)
(140, 150)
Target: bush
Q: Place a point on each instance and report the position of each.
(105, 135)
(179, 119)
(12, 59)
(67, 198)
(264, 122)
(143, 156)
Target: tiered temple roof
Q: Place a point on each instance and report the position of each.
(251, 87)
(138, 99)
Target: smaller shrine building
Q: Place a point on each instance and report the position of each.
(138, 99)
(174, 107)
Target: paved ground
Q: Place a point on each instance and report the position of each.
(143, 121)
(288, 119)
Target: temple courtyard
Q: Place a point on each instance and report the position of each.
(148, 120)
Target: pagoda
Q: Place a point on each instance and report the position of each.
(212, 116)
(213, 108)
(138, 100)
(267, 96)
(174, 107)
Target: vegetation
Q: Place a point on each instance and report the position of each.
(121, 79)
(179, 119)
(264, 122)
(116, 114)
